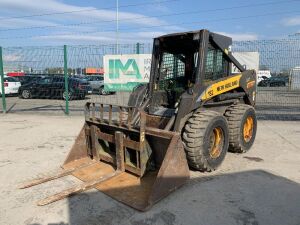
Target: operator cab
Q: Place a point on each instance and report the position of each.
(175, 68)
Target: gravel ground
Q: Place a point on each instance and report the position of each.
(259, 187)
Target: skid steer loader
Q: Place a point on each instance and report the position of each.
(189, 115)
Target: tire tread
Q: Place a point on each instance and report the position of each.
(193, 135)
(234, 115)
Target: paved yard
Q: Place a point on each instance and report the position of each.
(259, 187)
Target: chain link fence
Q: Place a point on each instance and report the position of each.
(37, 63)
(35, 79)
(277, 97)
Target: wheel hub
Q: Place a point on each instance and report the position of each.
(25, 94)
(67, 94)
(216, 142)
(248, 129)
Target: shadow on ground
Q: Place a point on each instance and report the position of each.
(247, 198)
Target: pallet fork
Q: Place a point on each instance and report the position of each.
(112, 156)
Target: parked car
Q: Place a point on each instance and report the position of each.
(28, 78)
(273, 82)
(97, 83)
(260, 78)
(82, 77)
(11, 86)
(53, 87)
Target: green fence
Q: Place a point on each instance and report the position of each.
(65, 65)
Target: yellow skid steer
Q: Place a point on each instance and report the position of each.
(189, 115)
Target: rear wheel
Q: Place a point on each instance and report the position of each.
(205, 139)
(242, 124)
(26, 94)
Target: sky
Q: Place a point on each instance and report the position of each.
(89, 22)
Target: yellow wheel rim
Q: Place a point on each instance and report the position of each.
(248, 129)
(216, 142)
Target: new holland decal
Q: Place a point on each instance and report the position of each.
(221, 87)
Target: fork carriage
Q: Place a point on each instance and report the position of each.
(133, 130)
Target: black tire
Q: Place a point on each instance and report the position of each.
(82, 97)
(102, 91)
(26, 94)
(240, 141)
(71, 95)
(197, 139)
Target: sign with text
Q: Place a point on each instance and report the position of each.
(124, 72)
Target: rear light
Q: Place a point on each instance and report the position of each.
(5, 84)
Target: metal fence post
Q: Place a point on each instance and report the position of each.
(66, 80)
(2, 82)
(138, 48)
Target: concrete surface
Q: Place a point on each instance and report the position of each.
(259, 187)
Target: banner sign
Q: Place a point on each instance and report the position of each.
(124, 72)
(250, 61)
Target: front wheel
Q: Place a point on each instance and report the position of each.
(69, 94)
(26, 94)
(205, 139)
(102, 91)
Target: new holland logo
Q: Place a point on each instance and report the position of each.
(116, 68)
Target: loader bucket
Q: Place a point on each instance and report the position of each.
(134, 162)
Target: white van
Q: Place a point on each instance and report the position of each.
(262, 75)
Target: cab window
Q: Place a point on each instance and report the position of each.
(216, 65)
(172, 69)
